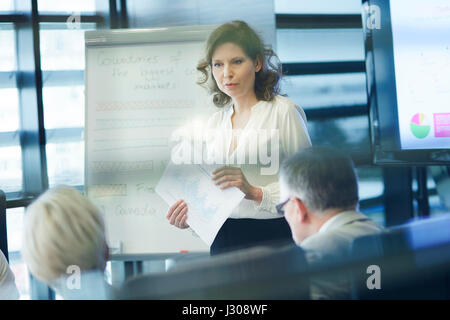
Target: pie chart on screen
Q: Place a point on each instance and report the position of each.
(420, 126)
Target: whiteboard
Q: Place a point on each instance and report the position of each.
(140, 87)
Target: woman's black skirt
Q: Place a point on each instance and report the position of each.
(243, 233)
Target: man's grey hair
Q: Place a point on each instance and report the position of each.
(323, 178)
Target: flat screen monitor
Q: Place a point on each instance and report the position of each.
(407, 47)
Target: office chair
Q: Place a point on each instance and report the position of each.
(255, 273)
(414, 261)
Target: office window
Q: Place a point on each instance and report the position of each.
(65, 163)
(349, 133)
(62, 55)
(14, 220)
(63, 106)
(320, 45)
(66, 6)
(437, 206)
(62, 48)
(9, 111)
(329, 90)
(435, 197)
(10, 168)
(7, 43)
(371, 185)
(6, 5)
(318, 6)
(370, 181)
(10, 152)
(438, 179)
(62, 66)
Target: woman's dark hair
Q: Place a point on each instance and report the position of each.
(240, 34)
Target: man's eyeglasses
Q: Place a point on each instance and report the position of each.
(280, 206)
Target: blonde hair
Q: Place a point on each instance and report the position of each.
(63, 228)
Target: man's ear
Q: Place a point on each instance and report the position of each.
(301, 210)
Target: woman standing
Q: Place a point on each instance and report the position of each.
(246, 87)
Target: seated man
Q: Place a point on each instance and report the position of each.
(64, 244)
(320, 193)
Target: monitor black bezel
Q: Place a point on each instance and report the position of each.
(386, 146)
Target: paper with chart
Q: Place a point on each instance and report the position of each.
(208, 205)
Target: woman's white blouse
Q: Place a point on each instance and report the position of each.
(274, 131)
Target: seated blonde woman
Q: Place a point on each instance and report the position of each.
(64, 237)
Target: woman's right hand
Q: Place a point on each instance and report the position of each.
(177, 214)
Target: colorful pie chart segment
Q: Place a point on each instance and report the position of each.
(420, 127)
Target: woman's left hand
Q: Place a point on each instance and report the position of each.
(228, 177)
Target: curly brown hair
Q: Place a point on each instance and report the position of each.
(240, 33)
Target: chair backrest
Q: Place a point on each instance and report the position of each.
(3, 234)
(413, 260)
(86, 285)
(256, 273)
